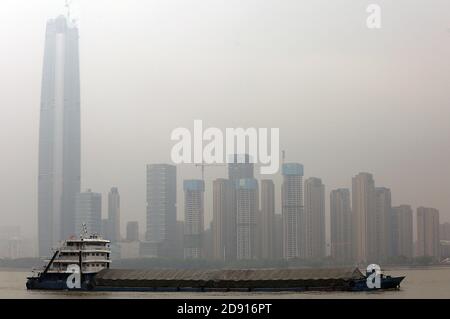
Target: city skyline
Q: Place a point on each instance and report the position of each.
(369, 230)
(236, 156)
(99, 163)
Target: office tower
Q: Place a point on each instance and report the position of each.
(292, 210)
(132, 231)
(59, 135)
(363, 217)
(383, 208)
(161, 207)
(193, 218)
(428, 232)
(340, 222)
(240, 167)
(266, 224)
(247, 201)
(114, 215)
(400, 232)
(224, 220)
(88, 207)
(278, 236)
(314, 226)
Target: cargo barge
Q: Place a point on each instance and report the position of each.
(84, 265)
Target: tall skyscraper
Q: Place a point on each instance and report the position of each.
(161, 207)
(266, 223)
(292, 210)
(400, 232)
(59, 135)
(224, 220)
(132, 231)
(428, 233)
(340, 222)
(383, 206)
(89, 212)
(363, 216)
(114, 215)
(314, 226)
(247, 199)
(240, 167)
(193, 218)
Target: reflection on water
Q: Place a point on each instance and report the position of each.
(419, 283)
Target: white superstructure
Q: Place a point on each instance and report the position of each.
(92, 253)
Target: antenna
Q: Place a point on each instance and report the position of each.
(67, 6)
(84, 233)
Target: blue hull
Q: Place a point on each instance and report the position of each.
(51, 281)
(386, 283)
(87, 285)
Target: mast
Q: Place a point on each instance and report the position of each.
(51, 262)
(67, 5)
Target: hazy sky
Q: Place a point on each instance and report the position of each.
(346, 98)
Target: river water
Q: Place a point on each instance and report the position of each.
(419, 283)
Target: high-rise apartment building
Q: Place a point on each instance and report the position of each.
(383, 206)
(113, 232)
(341, 226)
(278, 236)
(161, 207)
(363, 217)
(247, 200)
(292, 210)
(428, 233)
(224, 220)
(266, 222)
(193, 218)
(400, 232)
(314, 226)
(240, 167)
